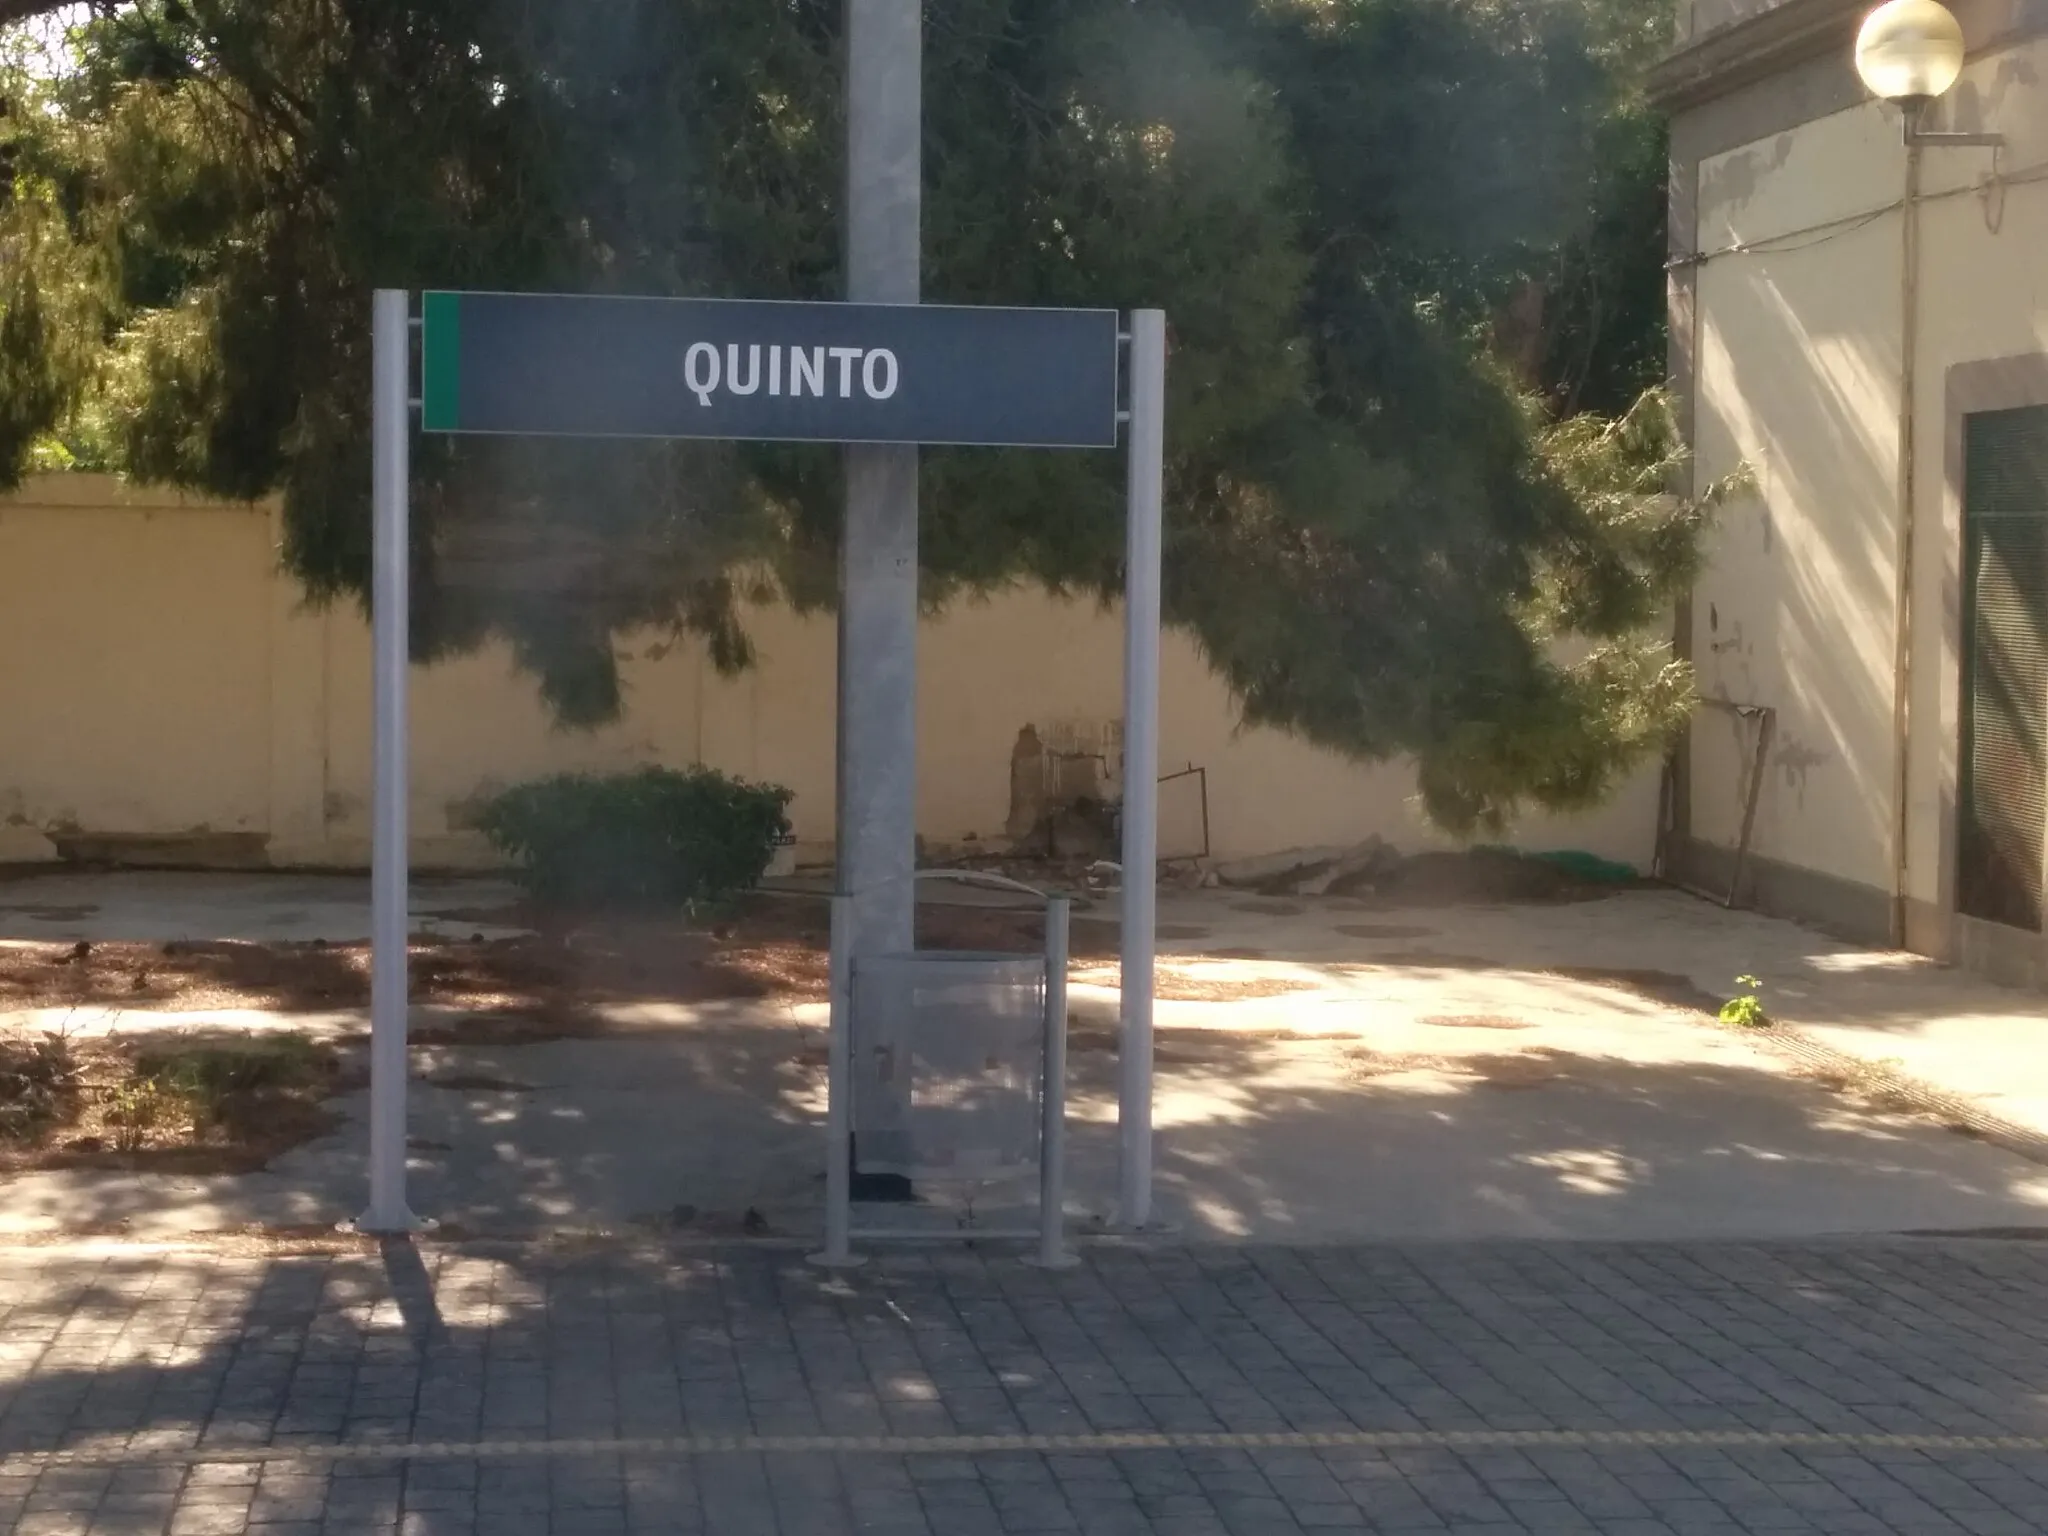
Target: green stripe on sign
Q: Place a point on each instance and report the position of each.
(440, 362)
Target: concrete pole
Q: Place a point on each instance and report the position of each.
(877, 809)
(390, 603)
(1146, 445)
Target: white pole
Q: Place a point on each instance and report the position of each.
(1052, 1148)
(1147, 448)
(391, 348)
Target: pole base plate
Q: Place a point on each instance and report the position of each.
(371, 1224)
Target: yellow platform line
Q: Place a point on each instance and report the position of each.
(147, 1450)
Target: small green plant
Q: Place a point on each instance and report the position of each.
(1746, 1009)
(139, 1106)
(658, 837)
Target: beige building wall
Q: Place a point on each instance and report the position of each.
(1799, 316)
(166, 692)
(135, 689)
(1798, 366)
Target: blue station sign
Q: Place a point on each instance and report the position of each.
(604, 366)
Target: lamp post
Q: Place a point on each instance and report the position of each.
(1910, 52)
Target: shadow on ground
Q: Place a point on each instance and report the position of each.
(1331, 1137)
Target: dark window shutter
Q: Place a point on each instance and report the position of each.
(2004, 799)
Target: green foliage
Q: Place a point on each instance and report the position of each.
(1746, 1009)
(1399, 243)
(209, 1073)
(654, 838)
(141, 1105)
(215, 1085)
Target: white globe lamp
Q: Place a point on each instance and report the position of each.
(1910, 51)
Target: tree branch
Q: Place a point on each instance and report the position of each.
(24, 10)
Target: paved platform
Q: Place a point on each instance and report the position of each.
(1252, 1391)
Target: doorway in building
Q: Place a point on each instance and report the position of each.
(2002, 821)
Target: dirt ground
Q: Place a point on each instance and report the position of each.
(108, 1102)
(1502, 1063)
(552, 980)
(102, 1102)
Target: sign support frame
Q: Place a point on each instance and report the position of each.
(389, 1211)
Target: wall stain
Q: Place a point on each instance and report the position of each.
(1795, 760)
(1738, 177)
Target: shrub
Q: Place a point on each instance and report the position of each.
(38, 1086)
(659, 837)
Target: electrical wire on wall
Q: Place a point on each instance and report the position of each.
(1990, 190)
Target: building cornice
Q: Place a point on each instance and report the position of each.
(1756, 48)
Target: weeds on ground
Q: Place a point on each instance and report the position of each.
(203, 1106)
(38, 1087)
(226, 1088)
(1746, 1009)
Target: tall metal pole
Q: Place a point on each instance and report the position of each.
(877, 809)
(1147, 448)
(391, 348)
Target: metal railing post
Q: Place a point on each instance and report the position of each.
(1052, 1144)
(838, 1251)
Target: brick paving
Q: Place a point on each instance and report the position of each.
(1424, 1365)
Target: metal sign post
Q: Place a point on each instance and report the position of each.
(390, 603)
(555, 364)
(1143, 538)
